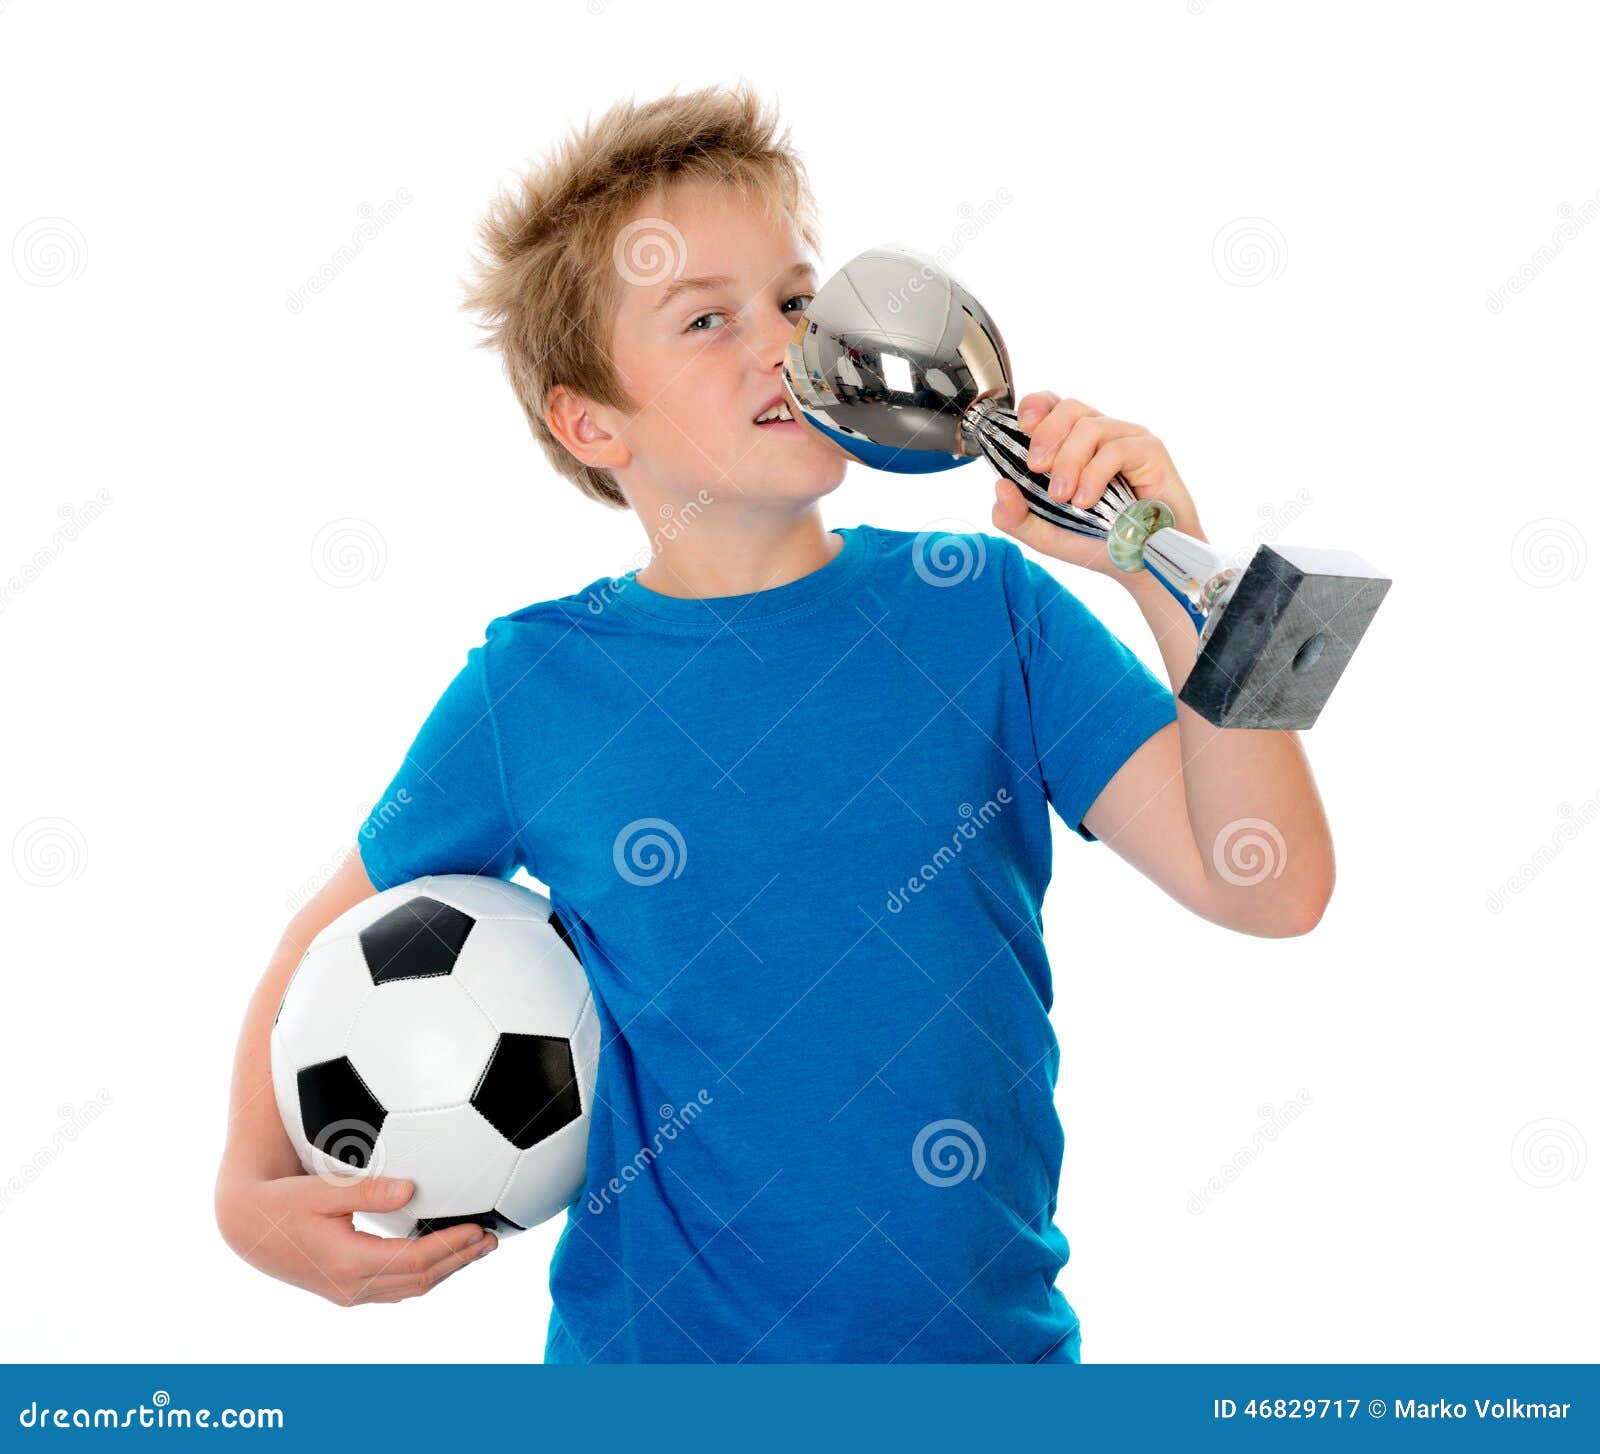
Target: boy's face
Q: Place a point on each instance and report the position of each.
(707, 305)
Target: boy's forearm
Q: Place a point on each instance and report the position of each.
(1231, 775)
(257, 1147)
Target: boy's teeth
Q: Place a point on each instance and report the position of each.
(778, 411)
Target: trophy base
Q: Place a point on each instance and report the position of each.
(1283, 640)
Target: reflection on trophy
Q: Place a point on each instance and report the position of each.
(904, 370)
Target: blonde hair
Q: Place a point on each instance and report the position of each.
(545, 288)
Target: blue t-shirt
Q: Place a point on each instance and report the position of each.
(800, 838)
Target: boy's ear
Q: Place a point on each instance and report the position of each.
(572, 419)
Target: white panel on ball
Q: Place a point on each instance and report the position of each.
(483, 897)
(420, 1044)
(329, 988)
(523, 977)
(549, 1176)
(455, 1158)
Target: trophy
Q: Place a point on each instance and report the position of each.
(903, 369)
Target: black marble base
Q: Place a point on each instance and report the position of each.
(1285, 638)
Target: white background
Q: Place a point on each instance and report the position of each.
(1273, 234)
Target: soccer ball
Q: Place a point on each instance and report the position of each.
(443, 1032)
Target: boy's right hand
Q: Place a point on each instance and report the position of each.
(299, 1230)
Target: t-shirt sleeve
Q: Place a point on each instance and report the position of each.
(1092, 700)
(445, 810)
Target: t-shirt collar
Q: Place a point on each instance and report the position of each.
(713, 613)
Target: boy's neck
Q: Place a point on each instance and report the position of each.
(735, 553)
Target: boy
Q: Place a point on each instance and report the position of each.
(789, 788)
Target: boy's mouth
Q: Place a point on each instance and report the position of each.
(775, 415)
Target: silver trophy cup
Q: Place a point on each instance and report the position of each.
(905, 370)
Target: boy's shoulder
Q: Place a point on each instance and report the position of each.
(556, 615)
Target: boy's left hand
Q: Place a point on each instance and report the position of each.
(1081, 449)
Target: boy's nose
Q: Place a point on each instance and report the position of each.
(775, 336)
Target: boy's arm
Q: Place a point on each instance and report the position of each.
(295, 1226)
(1228, 822)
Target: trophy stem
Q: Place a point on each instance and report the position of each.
(1194, 572)
(1138, 533)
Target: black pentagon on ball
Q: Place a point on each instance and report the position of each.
(420, 939)
(529, 1089)
(496, 1222)
(338, 1114)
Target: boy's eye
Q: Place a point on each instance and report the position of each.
(803, 299)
